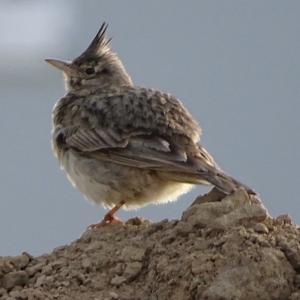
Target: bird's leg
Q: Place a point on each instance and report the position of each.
(109, 218)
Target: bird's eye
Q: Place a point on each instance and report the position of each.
(89, 71)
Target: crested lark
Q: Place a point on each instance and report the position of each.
(123, 145)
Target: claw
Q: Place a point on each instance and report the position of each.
(109, 218)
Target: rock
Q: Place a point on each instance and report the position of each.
(2, 291)
(224, 247)
(114, 296)
(41, 280)
(35, 268)
(21, 261)
(231, 281)
(133, 253)
(6, 265)
(12, 279)
(295, 296)
(232, 210)
(261, 228)
(132, 270)
(291, 249)
(283, 219)
(117, 280)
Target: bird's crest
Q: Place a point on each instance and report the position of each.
(99, 45)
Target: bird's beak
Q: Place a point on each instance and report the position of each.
(64, 66)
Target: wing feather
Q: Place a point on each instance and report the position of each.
(94, 139)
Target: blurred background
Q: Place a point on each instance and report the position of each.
(235, 65)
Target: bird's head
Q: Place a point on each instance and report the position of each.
(97, 67)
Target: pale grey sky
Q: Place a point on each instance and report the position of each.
(235, 65)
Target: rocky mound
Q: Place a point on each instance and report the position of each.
(222, 248)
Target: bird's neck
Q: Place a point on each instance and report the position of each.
(92, 90)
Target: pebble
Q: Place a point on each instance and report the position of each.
(117, 280)
(14, 279)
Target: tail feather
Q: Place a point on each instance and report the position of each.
(224, 182)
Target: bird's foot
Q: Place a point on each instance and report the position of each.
(107, 220)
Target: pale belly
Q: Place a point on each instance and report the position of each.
(107, 183)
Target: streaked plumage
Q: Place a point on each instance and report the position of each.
(120, 142)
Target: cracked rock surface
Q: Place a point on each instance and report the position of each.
(224, 247)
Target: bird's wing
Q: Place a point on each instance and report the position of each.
(190, 164)
(89, 140)
(139, 149)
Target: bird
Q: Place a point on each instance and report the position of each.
(123, 145)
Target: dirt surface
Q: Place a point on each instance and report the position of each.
(222, 248)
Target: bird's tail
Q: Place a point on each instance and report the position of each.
(224, 182)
